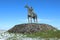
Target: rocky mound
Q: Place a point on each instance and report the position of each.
(30, 28)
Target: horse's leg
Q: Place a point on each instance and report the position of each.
(31, 19)
(28, 19)
(36, 20)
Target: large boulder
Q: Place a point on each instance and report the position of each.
(31, 27)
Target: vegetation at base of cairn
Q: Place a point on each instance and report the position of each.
(47, 34)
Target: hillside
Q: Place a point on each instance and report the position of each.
(31, 28)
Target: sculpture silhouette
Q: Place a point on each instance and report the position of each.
(31, 14)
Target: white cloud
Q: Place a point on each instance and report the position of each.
(39, 20)
(44, 20)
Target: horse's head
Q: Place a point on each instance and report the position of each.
(26, 6)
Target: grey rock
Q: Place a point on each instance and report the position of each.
(30, 28)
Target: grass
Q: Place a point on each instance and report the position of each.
(18, 36)
(47, 34)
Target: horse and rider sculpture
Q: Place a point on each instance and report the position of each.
(31, 15)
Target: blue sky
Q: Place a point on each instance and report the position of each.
(12, 12)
